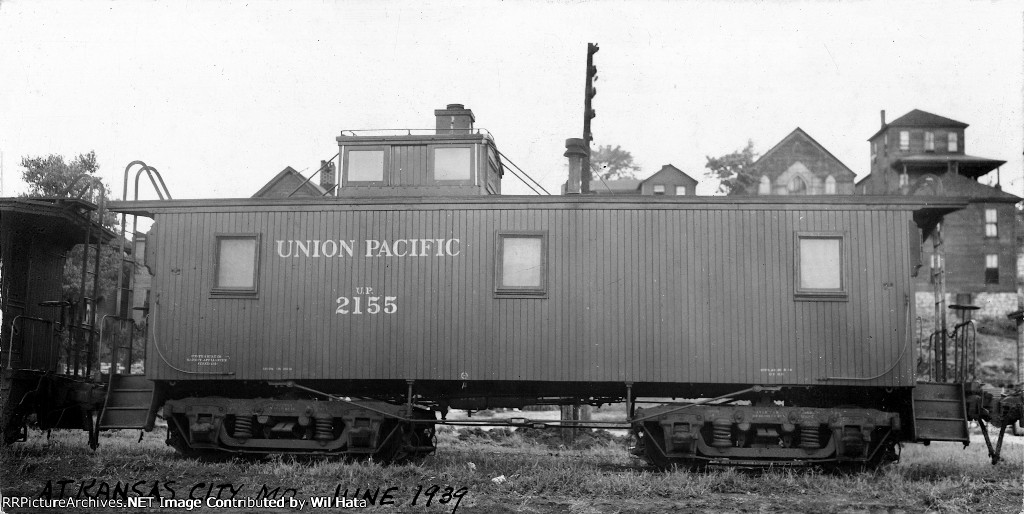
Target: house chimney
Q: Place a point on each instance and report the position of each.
(327, 177)
(883, 118)
(454, 119)
(575, 150)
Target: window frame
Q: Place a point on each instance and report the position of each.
(473, 165)
(840, 294)
(929, 141)
(217, 291)
(830, 185)
(790, 187)
(678, 188)
(904, 140)
(991, 272)
(994, 224)
(385, 179)
(952, 142)
(656, 191)
(502, 291)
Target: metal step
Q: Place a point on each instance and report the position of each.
(940, 413)
(129, 403)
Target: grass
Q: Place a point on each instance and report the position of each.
(538, 477)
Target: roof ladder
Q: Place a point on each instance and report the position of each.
(130, 396)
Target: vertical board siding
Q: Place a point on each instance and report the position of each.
(643, 295)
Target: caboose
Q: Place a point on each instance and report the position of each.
(49, 344)
(351, 323)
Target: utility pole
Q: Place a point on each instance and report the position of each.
(588, 113)
(939, 278)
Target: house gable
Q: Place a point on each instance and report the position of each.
(670, 177)
(289, 183)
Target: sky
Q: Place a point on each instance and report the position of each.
(220, 96)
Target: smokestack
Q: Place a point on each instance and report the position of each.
(883, 117)
(327, 176)
(575, 150)
(454, 119)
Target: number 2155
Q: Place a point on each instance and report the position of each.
(354, 305)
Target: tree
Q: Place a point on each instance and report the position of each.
(734, 171)
(51, 177)
(612, 163)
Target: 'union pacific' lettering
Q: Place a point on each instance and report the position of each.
(373, 248)
(315, 248)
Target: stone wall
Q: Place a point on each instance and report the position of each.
(992, 304)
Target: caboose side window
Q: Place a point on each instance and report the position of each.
(521, 267)
(237, 262)
(820, 269)
(453, 163)
(364, 165)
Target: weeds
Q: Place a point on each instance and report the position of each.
(541, 476)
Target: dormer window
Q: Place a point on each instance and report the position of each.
(952, 142)
(904, 140)
(659, 189)
(929, 141)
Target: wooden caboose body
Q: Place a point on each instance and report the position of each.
(668, 294)
(476, 302)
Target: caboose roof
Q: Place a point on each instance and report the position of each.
(922, 205)
(60, 218)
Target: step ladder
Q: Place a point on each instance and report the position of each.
(939, 412)
(129, 404)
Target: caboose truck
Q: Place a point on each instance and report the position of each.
(312, 325)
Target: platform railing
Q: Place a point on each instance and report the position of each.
(958, 363)
(118, 336)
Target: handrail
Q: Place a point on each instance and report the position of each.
(115, 347)
(964, 337)
(416, 132)
(157, 180)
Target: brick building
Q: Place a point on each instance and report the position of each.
(921, 153)
(799, 165)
